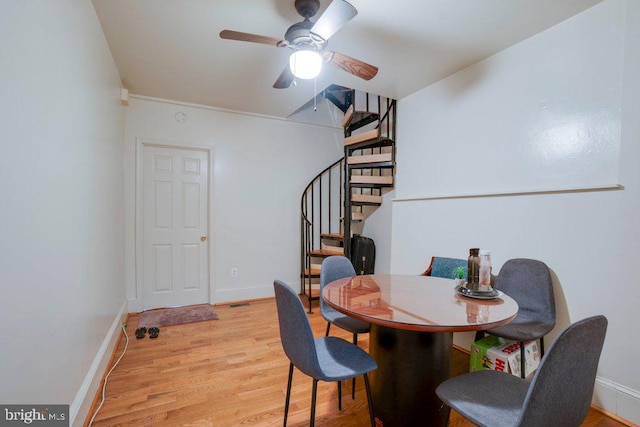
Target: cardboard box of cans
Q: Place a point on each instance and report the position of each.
(503, 355)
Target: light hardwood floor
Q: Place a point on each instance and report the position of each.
(233, 372)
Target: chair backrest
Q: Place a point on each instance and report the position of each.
(562, 387)
(334, 268)
(295, 330)
(528, 281)
(445, 267)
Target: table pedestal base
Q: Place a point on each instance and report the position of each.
(410, 366)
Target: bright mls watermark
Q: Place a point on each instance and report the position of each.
(37, 415)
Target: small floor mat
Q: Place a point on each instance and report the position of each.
(177, 316)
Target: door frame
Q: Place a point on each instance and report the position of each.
(139, 220)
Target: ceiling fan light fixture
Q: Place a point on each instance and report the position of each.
(305, 64)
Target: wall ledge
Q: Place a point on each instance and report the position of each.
(588, 189)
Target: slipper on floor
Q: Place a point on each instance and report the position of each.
(154, 332)
(140, 332)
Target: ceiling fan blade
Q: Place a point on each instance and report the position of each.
(334, 17)
(248, 37)
(352, 65)
(285, 79)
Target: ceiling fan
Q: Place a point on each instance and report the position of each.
(308, 40)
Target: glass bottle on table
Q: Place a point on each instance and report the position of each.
(473, 269)
(485, 271)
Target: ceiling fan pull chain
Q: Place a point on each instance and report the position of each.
(315, 93)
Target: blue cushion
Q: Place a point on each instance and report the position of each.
(446, 267)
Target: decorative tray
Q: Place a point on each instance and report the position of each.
(478, 294)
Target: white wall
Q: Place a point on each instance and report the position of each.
(537, 116)
(61, 186)
(582, 72)
(261, 165)
(378, 226)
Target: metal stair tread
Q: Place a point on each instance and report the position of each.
(366, 198)
(323, 253)
(365, 203)
(371, 181)
(315, 272)
(371, 161)
(361, 119)
(381, 141)
(332, 236)
(365, 185)
(362, 137)
(355, 217)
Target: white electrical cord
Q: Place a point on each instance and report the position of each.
(104, 386)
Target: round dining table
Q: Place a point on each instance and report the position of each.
(412, 323)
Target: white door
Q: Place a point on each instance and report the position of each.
(175, 239)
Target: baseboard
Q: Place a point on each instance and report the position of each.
(245, 301)
(242, 294)
(223, 296)
(618, 400)
(84, 398)
(134, 305)
(461, 349)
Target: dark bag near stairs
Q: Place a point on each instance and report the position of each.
(363, 254)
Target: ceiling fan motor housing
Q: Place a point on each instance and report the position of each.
(298, 33)
(307, 8)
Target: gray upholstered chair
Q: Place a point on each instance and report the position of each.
(528, 282)
(559, 394)
(334, 268)
(445, 267)
(323, 359)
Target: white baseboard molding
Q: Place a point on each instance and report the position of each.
(134, 305)
(222, 296)
(81, 404)
(619, 400)
(242, 294)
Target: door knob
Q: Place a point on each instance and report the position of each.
(203, 238)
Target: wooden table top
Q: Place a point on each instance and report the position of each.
(418, 303)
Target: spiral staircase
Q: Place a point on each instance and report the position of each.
(336, 203)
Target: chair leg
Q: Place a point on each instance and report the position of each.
(479, 335)
(353, 381)
(339, 395)
(522, 359)
(286, 403)
(313, 403)
(328, 327)
(541, 347)
(369, 401)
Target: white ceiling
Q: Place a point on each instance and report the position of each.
(171, 49)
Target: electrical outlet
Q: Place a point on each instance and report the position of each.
(234, 272)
